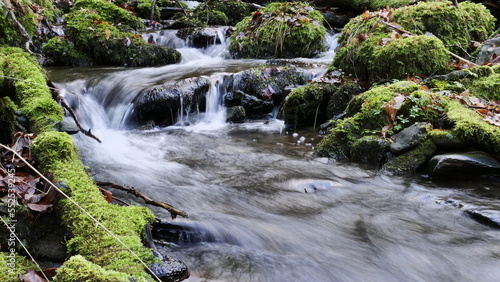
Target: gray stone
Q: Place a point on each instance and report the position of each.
(235, 114)
(67, 127)
(410, 161)
(463, 164)
(489, 48)
(449, 141)
(410, 137)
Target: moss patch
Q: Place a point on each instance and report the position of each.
(77, 268)
(33, 97)
(370, 50)
(12, 265)
(281, 30)
(469, 126)
(57, 153)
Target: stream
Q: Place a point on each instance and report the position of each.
(261, 205)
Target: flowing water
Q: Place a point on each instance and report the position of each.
(261, 205)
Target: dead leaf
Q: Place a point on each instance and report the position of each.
(386, 128)
(107, 33)
(32, 276)
(268, 92)
(393, 106)
(108, 196)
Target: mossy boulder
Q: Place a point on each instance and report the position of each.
(61, 52)
(381, 111)
(7, 120)
(281, 30)
(28, 88)
(105, 43)
(57, 153)
(409, 41)
(307, 105)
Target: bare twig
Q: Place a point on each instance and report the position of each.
(70, 110)
(52, 185)
(174, 212)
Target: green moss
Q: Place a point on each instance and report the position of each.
(32, 95)
(456, 27)
(281, 30)
(7, 120)
(9, 33)
(12, 265)
(109, 12)
(412, 160)
(413, 56)
(470, 126)
(366, 116)
(106, 44)
(486, 87)
(370, 51)
(57, 153)
(77, 268)
(235, 11)
(61, 51)
(211, 17)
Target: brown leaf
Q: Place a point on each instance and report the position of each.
(107, 33)
(367, 15)
(39, 207)
(363, 36)
(268, 92)
(393, 106)
(386, 128)
(32, 276)
(107, 195)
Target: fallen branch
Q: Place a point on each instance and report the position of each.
(174, 212)
(70, 110)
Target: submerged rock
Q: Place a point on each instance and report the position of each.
(460, 164)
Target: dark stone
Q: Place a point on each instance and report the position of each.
(270, 81)
(410, 161)
(170, 269)
(255, 106)
(449, 141)
(235, 114)
(489, 48)
(473, 163)
(162, 105)
(67, 127)
(370, 150)
(487, 217)
(410, 137)
(341, 98)
(203, 37)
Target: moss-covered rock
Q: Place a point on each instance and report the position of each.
(7, 120)
(470, 126)
(60, 51)
(28, 88)
(106, 44)
(411, 161)
(371, 114)
(456, 27)
(77, 268)
(281, 30)
(110, 13)
(372, 49)
(57, 153)
(307, 105)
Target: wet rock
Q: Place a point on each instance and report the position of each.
(255, 106)
(67, 127)
(447, 140)
(487, 212)
(338, 18)
(370, 150)
(486, 216)
(170, 269)
(203, 37)
(162, 105)
(235, 114)
(489, 48)
(265, 82)
(410, 137)
(460, 164)
(410, 161)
